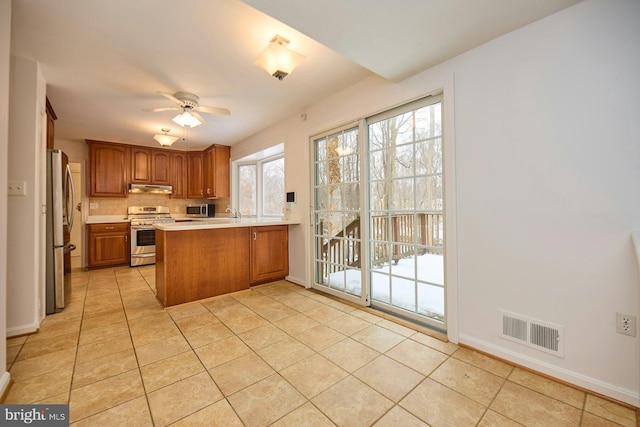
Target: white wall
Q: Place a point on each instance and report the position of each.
(26, 236)
(548, 190)
(5, 48)
(547, 165)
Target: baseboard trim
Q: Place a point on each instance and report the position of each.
(22, 330)
(629, 397)
(5, 382)
(297, 281)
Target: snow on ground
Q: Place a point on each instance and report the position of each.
(395, 284)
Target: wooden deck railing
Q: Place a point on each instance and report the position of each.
(399, 230)
(343, 249)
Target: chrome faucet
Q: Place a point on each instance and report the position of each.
(234, 212)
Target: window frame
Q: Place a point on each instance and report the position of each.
(259, 163)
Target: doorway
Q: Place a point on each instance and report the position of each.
(76, 231)
(337, 211)
(378, 217)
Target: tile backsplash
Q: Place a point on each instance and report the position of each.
(118, 206)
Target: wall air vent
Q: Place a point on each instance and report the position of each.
(533, 333)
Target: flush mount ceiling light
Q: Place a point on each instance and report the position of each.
(277, 59)
(187, 118)
(165, 139)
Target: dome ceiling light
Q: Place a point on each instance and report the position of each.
(278, 60)
(165, 139)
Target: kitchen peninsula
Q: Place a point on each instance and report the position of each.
(205, 258)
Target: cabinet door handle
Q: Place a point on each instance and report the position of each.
(254, 235)
(126, 238)
(108, 228)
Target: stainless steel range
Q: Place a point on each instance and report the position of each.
(143, 233)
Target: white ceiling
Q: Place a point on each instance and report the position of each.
(105, 61)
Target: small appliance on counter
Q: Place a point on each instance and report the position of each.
(206, 210)
(59, 219)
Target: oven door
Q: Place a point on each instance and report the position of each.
(143, 245)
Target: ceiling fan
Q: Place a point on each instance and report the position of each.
(190, 109)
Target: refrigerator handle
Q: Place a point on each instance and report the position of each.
(70, 212)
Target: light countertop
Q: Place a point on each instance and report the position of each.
(105, 219)
(207, 223)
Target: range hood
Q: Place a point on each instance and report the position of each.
(150, 189)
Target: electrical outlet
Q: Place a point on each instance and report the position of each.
(17, 188)
(626, 324)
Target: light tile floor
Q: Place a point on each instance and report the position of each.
(275, 355)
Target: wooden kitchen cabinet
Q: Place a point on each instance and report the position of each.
(216, 171)
(196, 264)
(161, 167)
(149, 166)
(195, 175)
(108, 169)
(179, 175)
(269, 253)
(140, 165)
(108, 245)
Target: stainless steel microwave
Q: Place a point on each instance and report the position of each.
(206, 210)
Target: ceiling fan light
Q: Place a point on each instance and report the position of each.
(186, 119)
(164, 139)
(278, 60)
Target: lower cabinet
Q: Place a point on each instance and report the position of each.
(203, 263)
(269, 253)
(108, 245)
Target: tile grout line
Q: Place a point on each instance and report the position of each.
(119, 282)
(349, 374)
(75, 359)
(124, 309)
(115, 277)
(315, 352)
(193, 350)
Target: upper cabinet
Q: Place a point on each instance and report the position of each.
(150, 166)
(216, 171)
(108, 169)
(193, 175)
(161, 167)
(140, 165)
(179, 175)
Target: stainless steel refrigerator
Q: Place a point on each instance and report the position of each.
(60, 205)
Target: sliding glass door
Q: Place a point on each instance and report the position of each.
(406, 220)
(337, 214)
(378, 212)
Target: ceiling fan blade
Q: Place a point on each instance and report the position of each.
(157, 110)
(171, 97)
(213, 110)
(198, 116)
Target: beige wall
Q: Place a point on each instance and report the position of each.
(117, 206)
(26, 214)
(5, 38)
(547, 185)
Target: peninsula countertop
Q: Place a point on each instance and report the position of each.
(208, 223)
